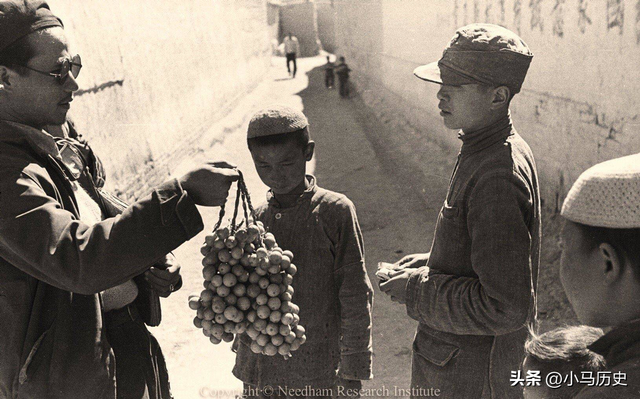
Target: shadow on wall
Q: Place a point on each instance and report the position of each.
(99, 88)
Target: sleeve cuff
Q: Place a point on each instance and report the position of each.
(356, 366)
(177, 206)
(413, 293)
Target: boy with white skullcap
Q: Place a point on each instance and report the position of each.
(331, 286)
(600, 267)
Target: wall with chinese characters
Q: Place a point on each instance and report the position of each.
(157, 73)
(580, 101)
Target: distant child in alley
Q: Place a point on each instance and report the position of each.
(475, 292)
(600, 268)
(342, 70)
(329, 76)
(331, 286)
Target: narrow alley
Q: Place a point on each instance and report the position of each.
(532, 103)
(395, 222)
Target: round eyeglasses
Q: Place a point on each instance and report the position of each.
(68, 66)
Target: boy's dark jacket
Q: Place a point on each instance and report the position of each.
(478, 293)
(329, 68)
(332, 290)
(52, 267)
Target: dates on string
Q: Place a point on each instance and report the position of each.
(248, 287)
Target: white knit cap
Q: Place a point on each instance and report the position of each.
(606, 195)
(276, 119)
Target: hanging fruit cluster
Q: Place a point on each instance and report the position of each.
(247, 287)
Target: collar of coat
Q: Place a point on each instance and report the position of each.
(41, 142)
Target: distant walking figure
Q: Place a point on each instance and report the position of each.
(342, 70)
(291, 50)
(329, 76)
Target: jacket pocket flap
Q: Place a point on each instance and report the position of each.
(433, 349)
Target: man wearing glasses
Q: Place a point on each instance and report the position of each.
(65, 265)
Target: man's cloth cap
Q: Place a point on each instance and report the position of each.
(606, 195)
(481, 53)
(277, 119)
(19, 18)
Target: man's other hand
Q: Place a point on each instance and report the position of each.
(164, 276)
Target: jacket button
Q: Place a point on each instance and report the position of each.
(278, 215)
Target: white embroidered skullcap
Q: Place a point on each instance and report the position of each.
(606, 195)
(276, 119)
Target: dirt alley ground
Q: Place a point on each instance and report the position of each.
(349, 159)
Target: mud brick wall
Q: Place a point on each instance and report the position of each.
(156, 74)
(579, 104)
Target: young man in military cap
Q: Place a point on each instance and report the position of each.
(331, 286)
(600, 268)
(474, 293)
(58, 248)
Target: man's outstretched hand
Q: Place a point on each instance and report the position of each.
(209, 184)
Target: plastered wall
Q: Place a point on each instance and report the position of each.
(157, 73)
(579, 104)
